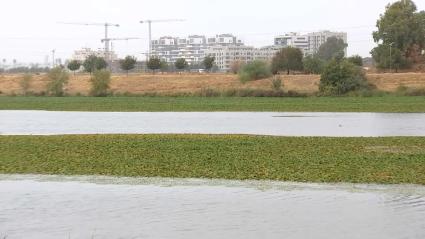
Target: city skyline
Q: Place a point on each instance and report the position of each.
(32, 41)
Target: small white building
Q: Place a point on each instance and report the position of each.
(81, 55)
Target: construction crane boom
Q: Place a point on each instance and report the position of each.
(122, 39)
(106, 25)
(149, 22)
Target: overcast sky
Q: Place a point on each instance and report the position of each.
(30, 30)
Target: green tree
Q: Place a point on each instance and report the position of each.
(129, 63)
(356, 60)
(154, 64)
(164, 66)
(255, 70)
(100, 83)
(74, 66)
(388, 57)
(208, 62)
(402, 27)
(94, 63)
(313, 65)
(181, 64)
(340, 77)
(288, 59)
(333, 48)
(58, 78)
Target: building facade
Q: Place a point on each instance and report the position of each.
(316, 39)
(192, 48)
(308, 43)
(225, 56)
(293, 40)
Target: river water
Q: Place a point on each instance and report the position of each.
(99, 207)
(276, 124)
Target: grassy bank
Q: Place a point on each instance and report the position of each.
(357, 160)
(181, 104)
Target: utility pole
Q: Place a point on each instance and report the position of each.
(391, 57)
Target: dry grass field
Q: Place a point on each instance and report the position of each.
(168, 84)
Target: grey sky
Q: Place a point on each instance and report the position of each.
(30, 30)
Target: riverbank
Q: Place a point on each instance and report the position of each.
(355, 160)
(385, 104)
(187, 84)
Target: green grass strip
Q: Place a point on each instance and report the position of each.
(183, 104)
(355, 160)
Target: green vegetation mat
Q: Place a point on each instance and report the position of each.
(356, 160)
(158, 104)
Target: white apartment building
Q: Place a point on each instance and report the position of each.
(81, 55)
(308, 43)
(192, 48)
(225, 56)
(293, 40)
(316, 39)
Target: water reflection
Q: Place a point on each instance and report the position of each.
(102, 207)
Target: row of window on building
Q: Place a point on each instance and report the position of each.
(227, 48)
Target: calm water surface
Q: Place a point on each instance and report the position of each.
(99, 207)
(277, 124)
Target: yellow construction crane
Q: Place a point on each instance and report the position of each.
(106, 40)
(149, 22)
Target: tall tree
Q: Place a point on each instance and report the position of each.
(313, 65)
(208, 62)
(129, 63)
(388, 57)
(74, 66)
(288, 59)
(400, 29)
(154, 64)
(333, 48)
(181, 64)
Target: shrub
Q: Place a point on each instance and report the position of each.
(341, 77)
(236, 67)
(255, 70)
(100, 83)
(277, 83)
(58, 78)
(25, 83)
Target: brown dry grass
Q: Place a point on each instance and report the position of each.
(186, 83)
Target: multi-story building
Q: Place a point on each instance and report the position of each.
(308, 43)
(192, 48)
(316, 39)
(81, 55)
(293, 40)
(225, 56)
